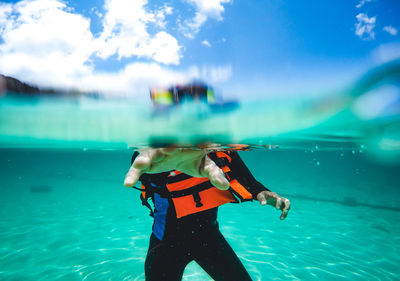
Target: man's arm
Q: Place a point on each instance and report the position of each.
(258, 190)
(244, 175)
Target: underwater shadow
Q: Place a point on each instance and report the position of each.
(40, 188)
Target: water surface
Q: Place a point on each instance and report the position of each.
(84, 225)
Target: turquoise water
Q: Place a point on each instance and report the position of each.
(64, 215)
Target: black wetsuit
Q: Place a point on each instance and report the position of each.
(176, 242)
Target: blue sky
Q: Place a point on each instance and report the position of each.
(243, 48)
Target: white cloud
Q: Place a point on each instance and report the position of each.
(30, 25)
(43, 39)
(391, 30)
(125, 32)
(365, 27)
(362, 2)
(161, 14)
(205, 9)
(47, 43)
(134, 79)
(138, 76)
(206, 43)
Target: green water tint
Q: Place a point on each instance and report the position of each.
(64, 215)
(356, 115)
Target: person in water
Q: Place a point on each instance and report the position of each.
(187, 186)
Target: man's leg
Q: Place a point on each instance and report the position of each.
(165, 262)
(218, 259)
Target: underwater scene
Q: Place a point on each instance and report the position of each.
(65, 215)
(109, 108)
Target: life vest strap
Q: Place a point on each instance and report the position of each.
(197, 199)
(161, 191)
(137, 188)
(240, 191)
(191, 190)
(196, 188)
(150, 190)
(146, 203)
(178, 178)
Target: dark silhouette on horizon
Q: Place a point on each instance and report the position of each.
(11, 85)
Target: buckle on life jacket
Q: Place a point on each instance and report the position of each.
(197, 199)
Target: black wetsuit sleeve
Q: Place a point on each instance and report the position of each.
(134, 155)
(244, 176)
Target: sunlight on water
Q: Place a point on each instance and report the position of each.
(64, 214)
(82, 224)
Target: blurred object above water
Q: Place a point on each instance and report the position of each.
(166, 99)
(363, 117)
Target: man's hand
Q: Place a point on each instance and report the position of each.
(273, 199)
(193, 162)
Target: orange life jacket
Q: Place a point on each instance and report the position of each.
(190, 195)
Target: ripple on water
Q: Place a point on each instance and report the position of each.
(73, 239)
